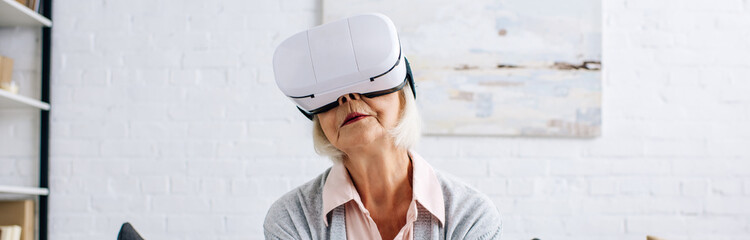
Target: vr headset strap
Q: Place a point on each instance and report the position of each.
(410, 78)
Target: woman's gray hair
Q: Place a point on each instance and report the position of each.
(405, 135)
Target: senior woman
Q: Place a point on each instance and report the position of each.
(350, 78)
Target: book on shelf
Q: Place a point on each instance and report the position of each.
(10, 232)
(19, 213)
(31, 4)
(23, 2)
(34, 5)
(6, 74)
(6, 70)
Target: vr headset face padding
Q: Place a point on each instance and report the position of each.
(360, 54)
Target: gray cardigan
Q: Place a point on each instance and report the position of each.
(469, 214)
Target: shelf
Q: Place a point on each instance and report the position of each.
(10, 100)
(24, 190)
(14, 14)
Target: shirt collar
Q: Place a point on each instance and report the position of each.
(427, 189)
(339, 188)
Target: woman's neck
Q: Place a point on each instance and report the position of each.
(382, 177)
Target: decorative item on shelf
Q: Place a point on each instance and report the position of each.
(11, 87)
(20, 213)
(11, 232)
(6, 73)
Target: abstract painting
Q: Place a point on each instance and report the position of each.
(498, 67)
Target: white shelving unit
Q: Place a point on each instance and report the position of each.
(14, 14)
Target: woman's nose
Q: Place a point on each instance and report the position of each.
(348, 97)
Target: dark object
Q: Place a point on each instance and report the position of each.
(127, 232)
(46, 10)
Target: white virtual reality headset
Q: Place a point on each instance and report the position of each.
(360, 54)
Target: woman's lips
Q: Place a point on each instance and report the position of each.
(353, 117)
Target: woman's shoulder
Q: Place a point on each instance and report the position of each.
(470, 214)
(309, 192)
(299, 208)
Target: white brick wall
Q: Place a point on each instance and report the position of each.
(165, 114)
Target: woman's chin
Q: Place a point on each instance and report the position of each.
(360, 135)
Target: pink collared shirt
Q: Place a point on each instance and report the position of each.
(339, 190)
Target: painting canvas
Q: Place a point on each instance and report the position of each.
(498, 67)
